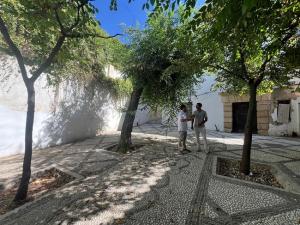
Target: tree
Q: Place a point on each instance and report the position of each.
(35, 32)
(247, 44)
(251, 44)
(159, 67)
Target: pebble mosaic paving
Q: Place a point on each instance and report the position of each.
(156, 185)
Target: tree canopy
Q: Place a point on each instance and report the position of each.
(158, 61)
(34, 28)
(251, 45)
(264, 33)
(255, 34)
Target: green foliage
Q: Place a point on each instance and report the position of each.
(158, 6)
(119, 88)
(34, 27)
(240, 87)
(158, 61)
(249, 42)
(87, 59)
(261, 34)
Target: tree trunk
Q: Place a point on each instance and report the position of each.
(23, 187)
(251, 115)
(125, 139)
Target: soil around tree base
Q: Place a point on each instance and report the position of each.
(40, 184)
(260, 173)
(132, 148)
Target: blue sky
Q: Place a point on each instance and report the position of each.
(128, 14)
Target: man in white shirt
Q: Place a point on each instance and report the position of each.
(182, 128)
(199, 118)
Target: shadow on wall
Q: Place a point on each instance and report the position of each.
(80, 114)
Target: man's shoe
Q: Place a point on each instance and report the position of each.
(187, 150)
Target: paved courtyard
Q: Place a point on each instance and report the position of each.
(157, 185)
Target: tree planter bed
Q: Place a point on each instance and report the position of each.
(260, 173)
(40, 184)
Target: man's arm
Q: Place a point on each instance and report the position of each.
(185, 119)
(204, 120)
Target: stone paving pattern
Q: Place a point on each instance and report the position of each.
(157, 185)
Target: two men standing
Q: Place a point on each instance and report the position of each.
(199, 118)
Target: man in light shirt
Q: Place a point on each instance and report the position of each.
(199, 118)
(182, 128)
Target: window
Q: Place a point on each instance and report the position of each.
(283, 112)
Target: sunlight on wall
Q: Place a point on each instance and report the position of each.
(68, 112)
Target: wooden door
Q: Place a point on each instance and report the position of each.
(239, 117)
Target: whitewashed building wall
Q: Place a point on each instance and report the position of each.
(68, 112)
(211, 103)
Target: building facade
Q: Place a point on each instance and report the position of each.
(278, 113)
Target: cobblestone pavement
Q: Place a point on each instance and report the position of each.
(157, 185)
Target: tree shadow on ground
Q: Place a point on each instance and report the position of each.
(120, 194)
(108, 197)
(116, 194)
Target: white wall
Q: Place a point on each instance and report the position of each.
(66, 113)
(286, 129)
(211, 103)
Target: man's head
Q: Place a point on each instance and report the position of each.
(183, 108)
(199, 105)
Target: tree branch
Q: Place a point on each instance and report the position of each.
(231, 73)
(64, 30)
(65, 33)
(282, 42)
(61, 26)
(49, 60)
(15, 50)
(292, 26)
(220, 68)
(262, 70)
(243, 65)
(78, 35)
(76, 22)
